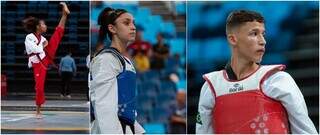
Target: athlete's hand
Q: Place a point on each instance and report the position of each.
(45, 43)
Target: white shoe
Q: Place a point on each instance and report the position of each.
(69, 96)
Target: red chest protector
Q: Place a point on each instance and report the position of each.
(242, 107)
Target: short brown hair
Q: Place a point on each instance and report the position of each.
(237, 18)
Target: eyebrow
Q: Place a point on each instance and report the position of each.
(121, 20)
(128, 19)
(256, 29)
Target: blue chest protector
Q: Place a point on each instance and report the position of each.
(126, 89)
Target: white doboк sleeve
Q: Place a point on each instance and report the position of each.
(104, 94)
(205, 106)
(282, 87)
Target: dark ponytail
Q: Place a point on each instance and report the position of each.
(30, 24)
(103, 22)
(106, 17)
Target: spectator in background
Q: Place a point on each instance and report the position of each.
(178, 114)
(173, 63)
(140, 51)
(160, 53)
(67, 70)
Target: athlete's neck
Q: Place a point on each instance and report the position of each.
(119, 45)
(37, 33)
(99, 47)
(242, 67)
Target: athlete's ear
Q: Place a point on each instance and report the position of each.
(232, 39)
(111, 28)
(38, 27)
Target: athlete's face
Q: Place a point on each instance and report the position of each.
(42, 27)
(249, 41)
(124, 28)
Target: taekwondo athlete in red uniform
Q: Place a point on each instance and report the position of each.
(41, 52)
